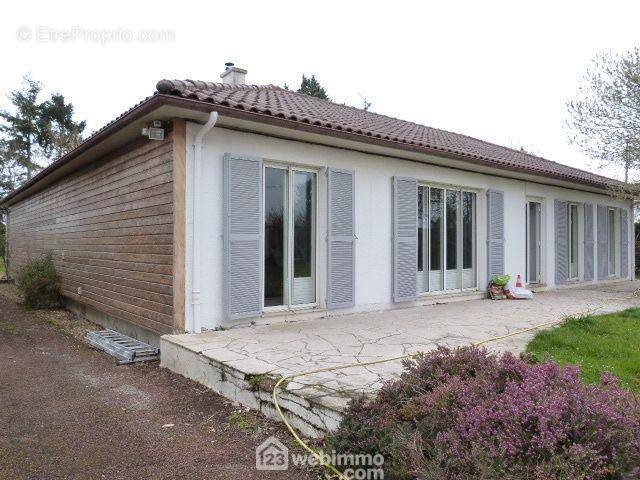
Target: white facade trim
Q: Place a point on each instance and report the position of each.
(373, 218)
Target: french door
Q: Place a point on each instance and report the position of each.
(446, 238)
(289, 237)
(533, 241)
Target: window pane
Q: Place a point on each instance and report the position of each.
(435, 238)
(468, 206)
(612, 242)
(304, 289)
(452, 230)
(421, 229)
(275, 194)
(573, 241)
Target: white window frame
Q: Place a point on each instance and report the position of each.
(573, 276)
(540, 239)
(426, 262)
(291, 169)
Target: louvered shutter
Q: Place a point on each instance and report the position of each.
(341, 234)
(588, 242)
(405, 238)
(624, 243)
(242, 236)
(561, 241)
(495, 233)
(603, 242)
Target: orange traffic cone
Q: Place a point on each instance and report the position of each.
(519, 281)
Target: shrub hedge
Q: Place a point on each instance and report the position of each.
(38, 283)
(470, 414)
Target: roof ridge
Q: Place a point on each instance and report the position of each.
(168, 86)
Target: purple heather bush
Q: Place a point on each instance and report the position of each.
(470, 414)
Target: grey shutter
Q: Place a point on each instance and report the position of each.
(242, 236)
(405, 239)
(561, 241)
(588, 242)
(603, 242)
(624, 243)
(495, 233)
(341, 234)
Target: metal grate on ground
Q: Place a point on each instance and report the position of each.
(124, 348)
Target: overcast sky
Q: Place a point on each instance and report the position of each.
(500, 71)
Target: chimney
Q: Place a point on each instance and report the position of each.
(233, 75)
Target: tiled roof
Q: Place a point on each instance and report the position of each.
(289, 105)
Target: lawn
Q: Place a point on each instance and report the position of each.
(597, 343)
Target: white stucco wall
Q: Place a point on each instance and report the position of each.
(373, 204)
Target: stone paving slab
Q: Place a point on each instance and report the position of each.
(287, 348)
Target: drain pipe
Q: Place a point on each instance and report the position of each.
(196, 301)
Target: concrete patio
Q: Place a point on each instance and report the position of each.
(239, 363)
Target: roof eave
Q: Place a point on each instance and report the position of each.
(318, 129)
(158, 100)
(132, 115)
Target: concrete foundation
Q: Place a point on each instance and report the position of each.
(107, 321)
(252, 390)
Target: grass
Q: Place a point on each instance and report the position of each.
(1, 266)
(609, 342)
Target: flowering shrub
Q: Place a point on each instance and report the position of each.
(470, 414)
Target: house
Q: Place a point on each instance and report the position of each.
(252, 203)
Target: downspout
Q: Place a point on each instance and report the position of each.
(196, 301)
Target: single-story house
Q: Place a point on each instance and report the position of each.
(214, 204)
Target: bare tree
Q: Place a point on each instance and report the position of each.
(604, 119)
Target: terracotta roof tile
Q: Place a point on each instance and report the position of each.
(286, 104)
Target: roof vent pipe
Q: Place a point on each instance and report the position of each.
(233, 75)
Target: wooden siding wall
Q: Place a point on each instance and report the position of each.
(110, 228)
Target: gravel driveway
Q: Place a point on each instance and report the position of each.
(67, 411)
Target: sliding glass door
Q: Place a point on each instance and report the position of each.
(446, 239)
(289, 236)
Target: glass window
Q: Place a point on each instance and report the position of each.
(468, 208)
(289, 252)
(573, 241)
(452, 229)
(303, 238)
(435, 224)
(275, 264)
(451, 215)
(612, 242)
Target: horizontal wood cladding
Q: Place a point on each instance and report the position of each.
(110, 228)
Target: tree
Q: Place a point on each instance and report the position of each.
(34, 132)
(604, 119)
(61, 133)
(311, 86)
(22, 130)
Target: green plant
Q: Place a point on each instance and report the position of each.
(468, 414)
(38, 283)
(598, 343)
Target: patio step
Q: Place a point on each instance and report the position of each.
(308, 409)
